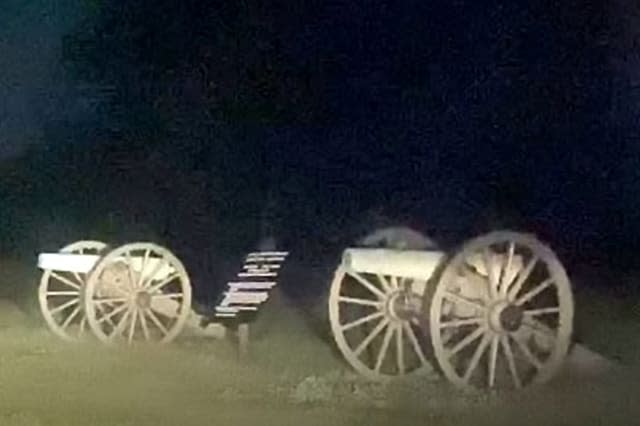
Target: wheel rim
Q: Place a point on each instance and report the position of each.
(139, 291)
(502, 312)
(60, 295)
(374, 321)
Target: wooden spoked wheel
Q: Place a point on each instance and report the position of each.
(374, 321)
(60, 294)
(139, 291)
(501, 315)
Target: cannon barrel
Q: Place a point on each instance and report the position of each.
(68, 262)
(84, 263)
(417, 264)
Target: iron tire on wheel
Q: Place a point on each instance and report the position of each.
(128, 296)
(501, 315)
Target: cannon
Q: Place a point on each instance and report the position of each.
(496, 314)
(135, 290)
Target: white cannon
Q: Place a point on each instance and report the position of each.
(141, 291)
(136, 290)
(497, 314)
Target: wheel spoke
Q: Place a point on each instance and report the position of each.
(64, 306)
(414, 342)
(491, 273)
(386, 285)
(145, 261)
(152, 289)
(503, 285)
(542, 311)
(357, 301)
(510, 361)
(78, 278)
(101, 311)
(110, 300)
(400, 350)
(460, 299)
(156, 321)
(71, 317)
(366, 284)
(401, 282)
(534, 292)
(168, 296)
(475, 359)
(63, 293)
(363, 345)
(132, 326)
(145, 328)
(65, 280)
(493, 359)
(513, 291)
(394, 282)
(120, 326)
(361, 321)
(466, 341)
(461, 322)
(526, 352)
(112, 314)
(384, 348)
(539, 329)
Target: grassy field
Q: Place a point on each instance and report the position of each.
(292, 377)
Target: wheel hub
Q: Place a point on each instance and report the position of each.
(143, 300)
(505, 317)
(511, 318)
(403, 305)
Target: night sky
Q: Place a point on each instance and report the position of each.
(174, 122)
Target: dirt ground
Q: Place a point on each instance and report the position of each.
(292, 377)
